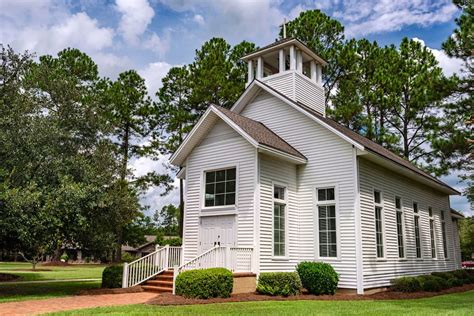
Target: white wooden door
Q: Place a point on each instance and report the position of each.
(216, 230)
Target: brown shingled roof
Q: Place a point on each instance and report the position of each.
(367, 143)
(260, 133)
(457, 213)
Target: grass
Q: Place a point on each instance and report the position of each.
(451, 304)
(83, 271)
(23, 292)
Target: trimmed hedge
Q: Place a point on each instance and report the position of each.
(112, 277)
(205, 283)
(430, 283)
(279, 283)
(444, 275)
(406, 284)
(455, 282)
(318, 277)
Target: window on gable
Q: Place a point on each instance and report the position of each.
(220, 187)
(326, 206)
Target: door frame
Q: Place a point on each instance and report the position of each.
(234, 216)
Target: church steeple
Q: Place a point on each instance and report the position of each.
(291, 68)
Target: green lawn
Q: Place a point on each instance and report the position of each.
(83, 271)
(23, 292)
(452, 304)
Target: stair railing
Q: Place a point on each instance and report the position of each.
(149, 266)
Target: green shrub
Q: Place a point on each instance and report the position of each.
(64, 257)
(444, 275)
(461, 274)
(279, 283)
(206, 283)
(126, 257)
(406, 284)
(112, 276)
(162, 241)
(431, 283)
(318, 277)
(453, 282)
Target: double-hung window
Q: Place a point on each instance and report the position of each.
(443, 232)
(326, 208)
(220, 187)
(399, 215)
(432, 233)
(279, 220)
(416, 219)
(378, 208)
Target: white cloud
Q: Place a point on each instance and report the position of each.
(51, 39)
(157, 44)
(449, 65)
(368, 17)
(153, 73)
(136, 16)
(198, 19)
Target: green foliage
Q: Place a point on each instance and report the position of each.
(466, 236)
(206, 283)
(431, 283)
(168, 219)
(461, 274)
(64, 257)
(318, 277)
(406, 284)
(112, 277)
(444, 275)
(279, 283)
(127, 257)
(454, 282)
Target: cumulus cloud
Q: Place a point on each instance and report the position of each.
(157, 44)
(449, 65)
(136, 16)
(153, 73)
(363, 17)
(198, 19)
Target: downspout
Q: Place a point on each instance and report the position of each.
(358, 228)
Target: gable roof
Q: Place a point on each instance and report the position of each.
(456, 214)
(256, 133)
(346, 133)
(283, 42)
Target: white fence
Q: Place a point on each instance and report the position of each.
(150, 265)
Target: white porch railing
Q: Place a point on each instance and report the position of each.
(150, 265)
(236, 259)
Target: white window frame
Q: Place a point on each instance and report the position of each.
(219, 209)
(284, 202)
(382, 220)
(417, 214)
(444, 234)
(400, 210)
(316, 204)
(432, 231)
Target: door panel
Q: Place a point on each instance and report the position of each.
(216, 230)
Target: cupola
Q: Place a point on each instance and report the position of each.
(291, 68)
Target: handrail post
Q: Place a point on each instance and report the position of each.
(125, 275)
(167, 253)
(175, 275)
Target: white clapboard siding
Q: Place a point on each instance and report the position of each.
(282, 82)
(330, 162)
(222, 147)
(273, 171)
(379, 272)
(309, 93)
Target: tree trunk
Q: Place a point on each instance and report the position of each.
(181, 207)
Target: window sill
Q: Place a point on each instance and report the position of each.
(280, 258)
(331, 259)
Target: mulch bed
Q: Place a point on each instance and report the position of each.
(169, 299)
(134, 289)
(5, 277)
(35, 270)
(55, 264)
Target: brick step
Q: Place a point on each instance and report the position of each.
(167, 272)
(160, 283)
(162, 277)
(157, 289)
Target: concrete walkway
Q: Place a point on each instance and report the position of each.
(35, 307)
(48, 281)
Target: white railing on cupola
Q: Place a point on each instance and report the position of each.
(236, 259)
(149, 266)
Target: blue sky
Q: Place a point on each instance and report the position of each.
(153, 35)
